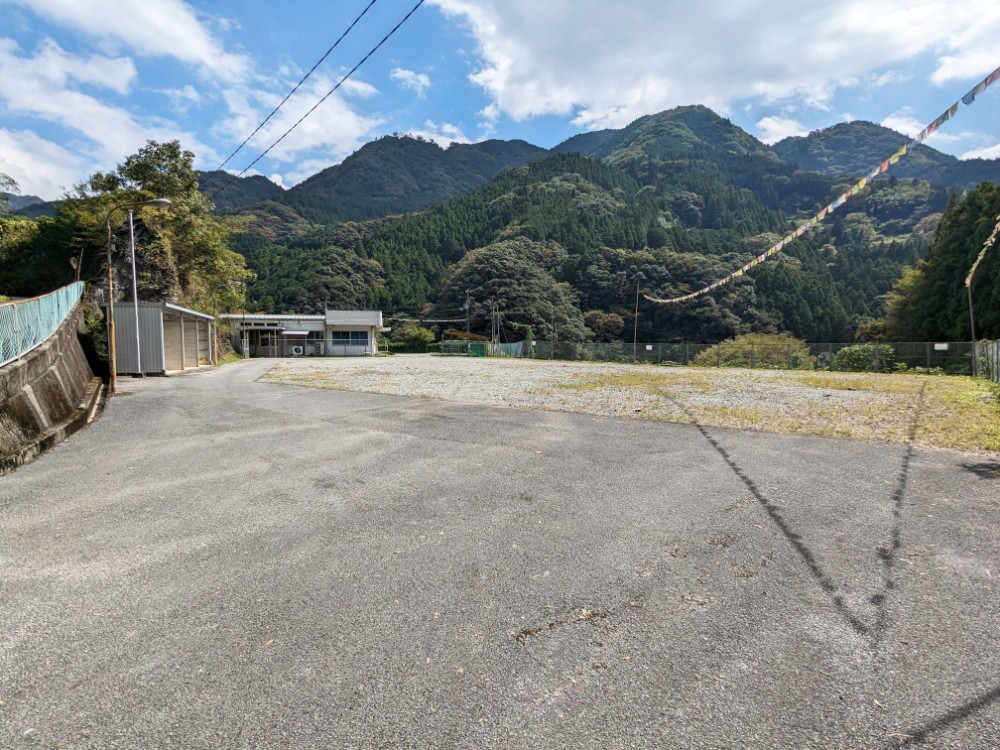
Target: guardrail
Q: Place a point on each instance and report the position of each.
(26, 323)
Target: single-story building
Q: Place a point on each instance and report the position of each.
(338, 333)
(171, 338)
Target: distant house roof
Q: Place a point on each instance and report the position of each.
(248, 316)
(342, 318)
(354, 318)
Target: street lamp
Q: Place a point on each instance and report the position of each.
(112, 349)
(968, 288)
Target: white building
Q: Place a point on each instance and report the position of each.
(339, 333)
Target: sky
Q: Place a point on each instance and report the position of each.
(85, 83)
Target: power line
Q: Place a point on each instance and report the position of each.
(327, 96)
(297, 85)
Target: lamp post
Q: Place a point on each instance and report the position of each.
(968, 288)
(112, 348)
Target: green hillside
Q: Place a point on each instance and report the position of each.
(228, 194)
(675, 201)
(852, 149)
(399, 174)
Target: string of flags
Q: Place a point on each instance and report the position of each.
(843, 198)
(979, 258)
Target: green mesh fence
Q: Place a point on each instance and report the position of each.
(24, 324)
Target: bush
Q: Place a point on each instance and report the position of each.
(780, 352)
(865, 358)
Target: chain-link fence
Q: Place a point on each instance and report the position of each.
(24, 324)
(989, 360)
(953, 358)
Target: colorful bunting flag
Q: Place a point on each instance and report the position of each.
(846, 196)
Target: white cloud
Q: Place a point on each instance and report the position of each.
(40, 167)
(604, 64)
(54, 67)
(408, 79)
(360, 89)
(773, 129)
(443, 134)
(43, 87)
(151, 28)
(903, 122)
(332, 132)
(183, 98)
(991, 152)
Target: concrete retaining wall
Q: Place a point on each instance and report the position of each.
(46, 396)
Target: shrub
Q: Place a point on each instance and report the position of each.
(780, 352)
(865, 358)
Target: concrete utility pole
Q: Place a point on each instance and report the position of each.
(112, 353)
(635, 327)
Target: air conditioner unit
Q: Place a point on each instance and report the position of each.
(297, 351)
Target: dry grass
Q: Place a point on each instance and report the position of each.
(932, 410)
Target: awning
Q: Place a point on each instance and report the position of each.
(295, 333)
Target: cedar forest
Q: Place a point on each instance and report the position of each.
(560, 241)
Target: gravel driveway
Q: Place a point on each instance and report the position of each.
(889, 408)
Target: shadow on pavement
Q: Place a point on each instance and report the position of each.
(887, 554)
(921, 733)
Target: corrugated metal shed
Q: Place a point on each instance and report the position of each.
(171, 338)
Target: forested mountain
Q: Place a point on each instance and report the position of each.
(851, 149)
(560, 242)
(13, 203)
(228, 194)
(930, 302)
(669, 203)
(398, 174)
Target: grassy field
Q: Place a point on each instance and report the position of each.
(942, 411)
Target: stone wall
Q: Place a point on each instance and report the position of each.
(46, 396)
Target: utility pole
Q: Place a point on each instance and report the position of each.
(635, 327)
(468, 311)
(112, 352)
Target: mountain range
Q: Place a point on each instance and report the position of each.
(669, 203)
(400, 174)
(561, 240)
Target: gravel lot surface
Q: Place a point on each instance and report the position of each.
(889, 408)
(221, 561)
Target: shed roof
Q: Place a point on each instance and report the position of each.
(127, 304)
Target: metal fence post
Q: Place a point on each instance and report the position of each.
(17, 333)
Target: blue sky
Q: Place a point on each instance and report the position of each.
(84, 83)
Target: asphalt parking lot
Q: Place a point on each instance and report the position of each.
(219, 562)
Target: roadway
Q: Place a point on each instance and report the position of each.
(219, 562)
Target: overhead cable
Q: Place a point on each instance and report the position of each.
(297, 85)
(325, 97)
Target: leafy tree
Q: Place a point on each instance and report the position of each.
(865, 358)
(416, 337)
(759, 350)
(7, 183)
(604, 326)
(184, 254)
(930, 301)
(512, 275)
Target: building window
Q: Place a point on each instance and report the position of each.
(352, 338)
